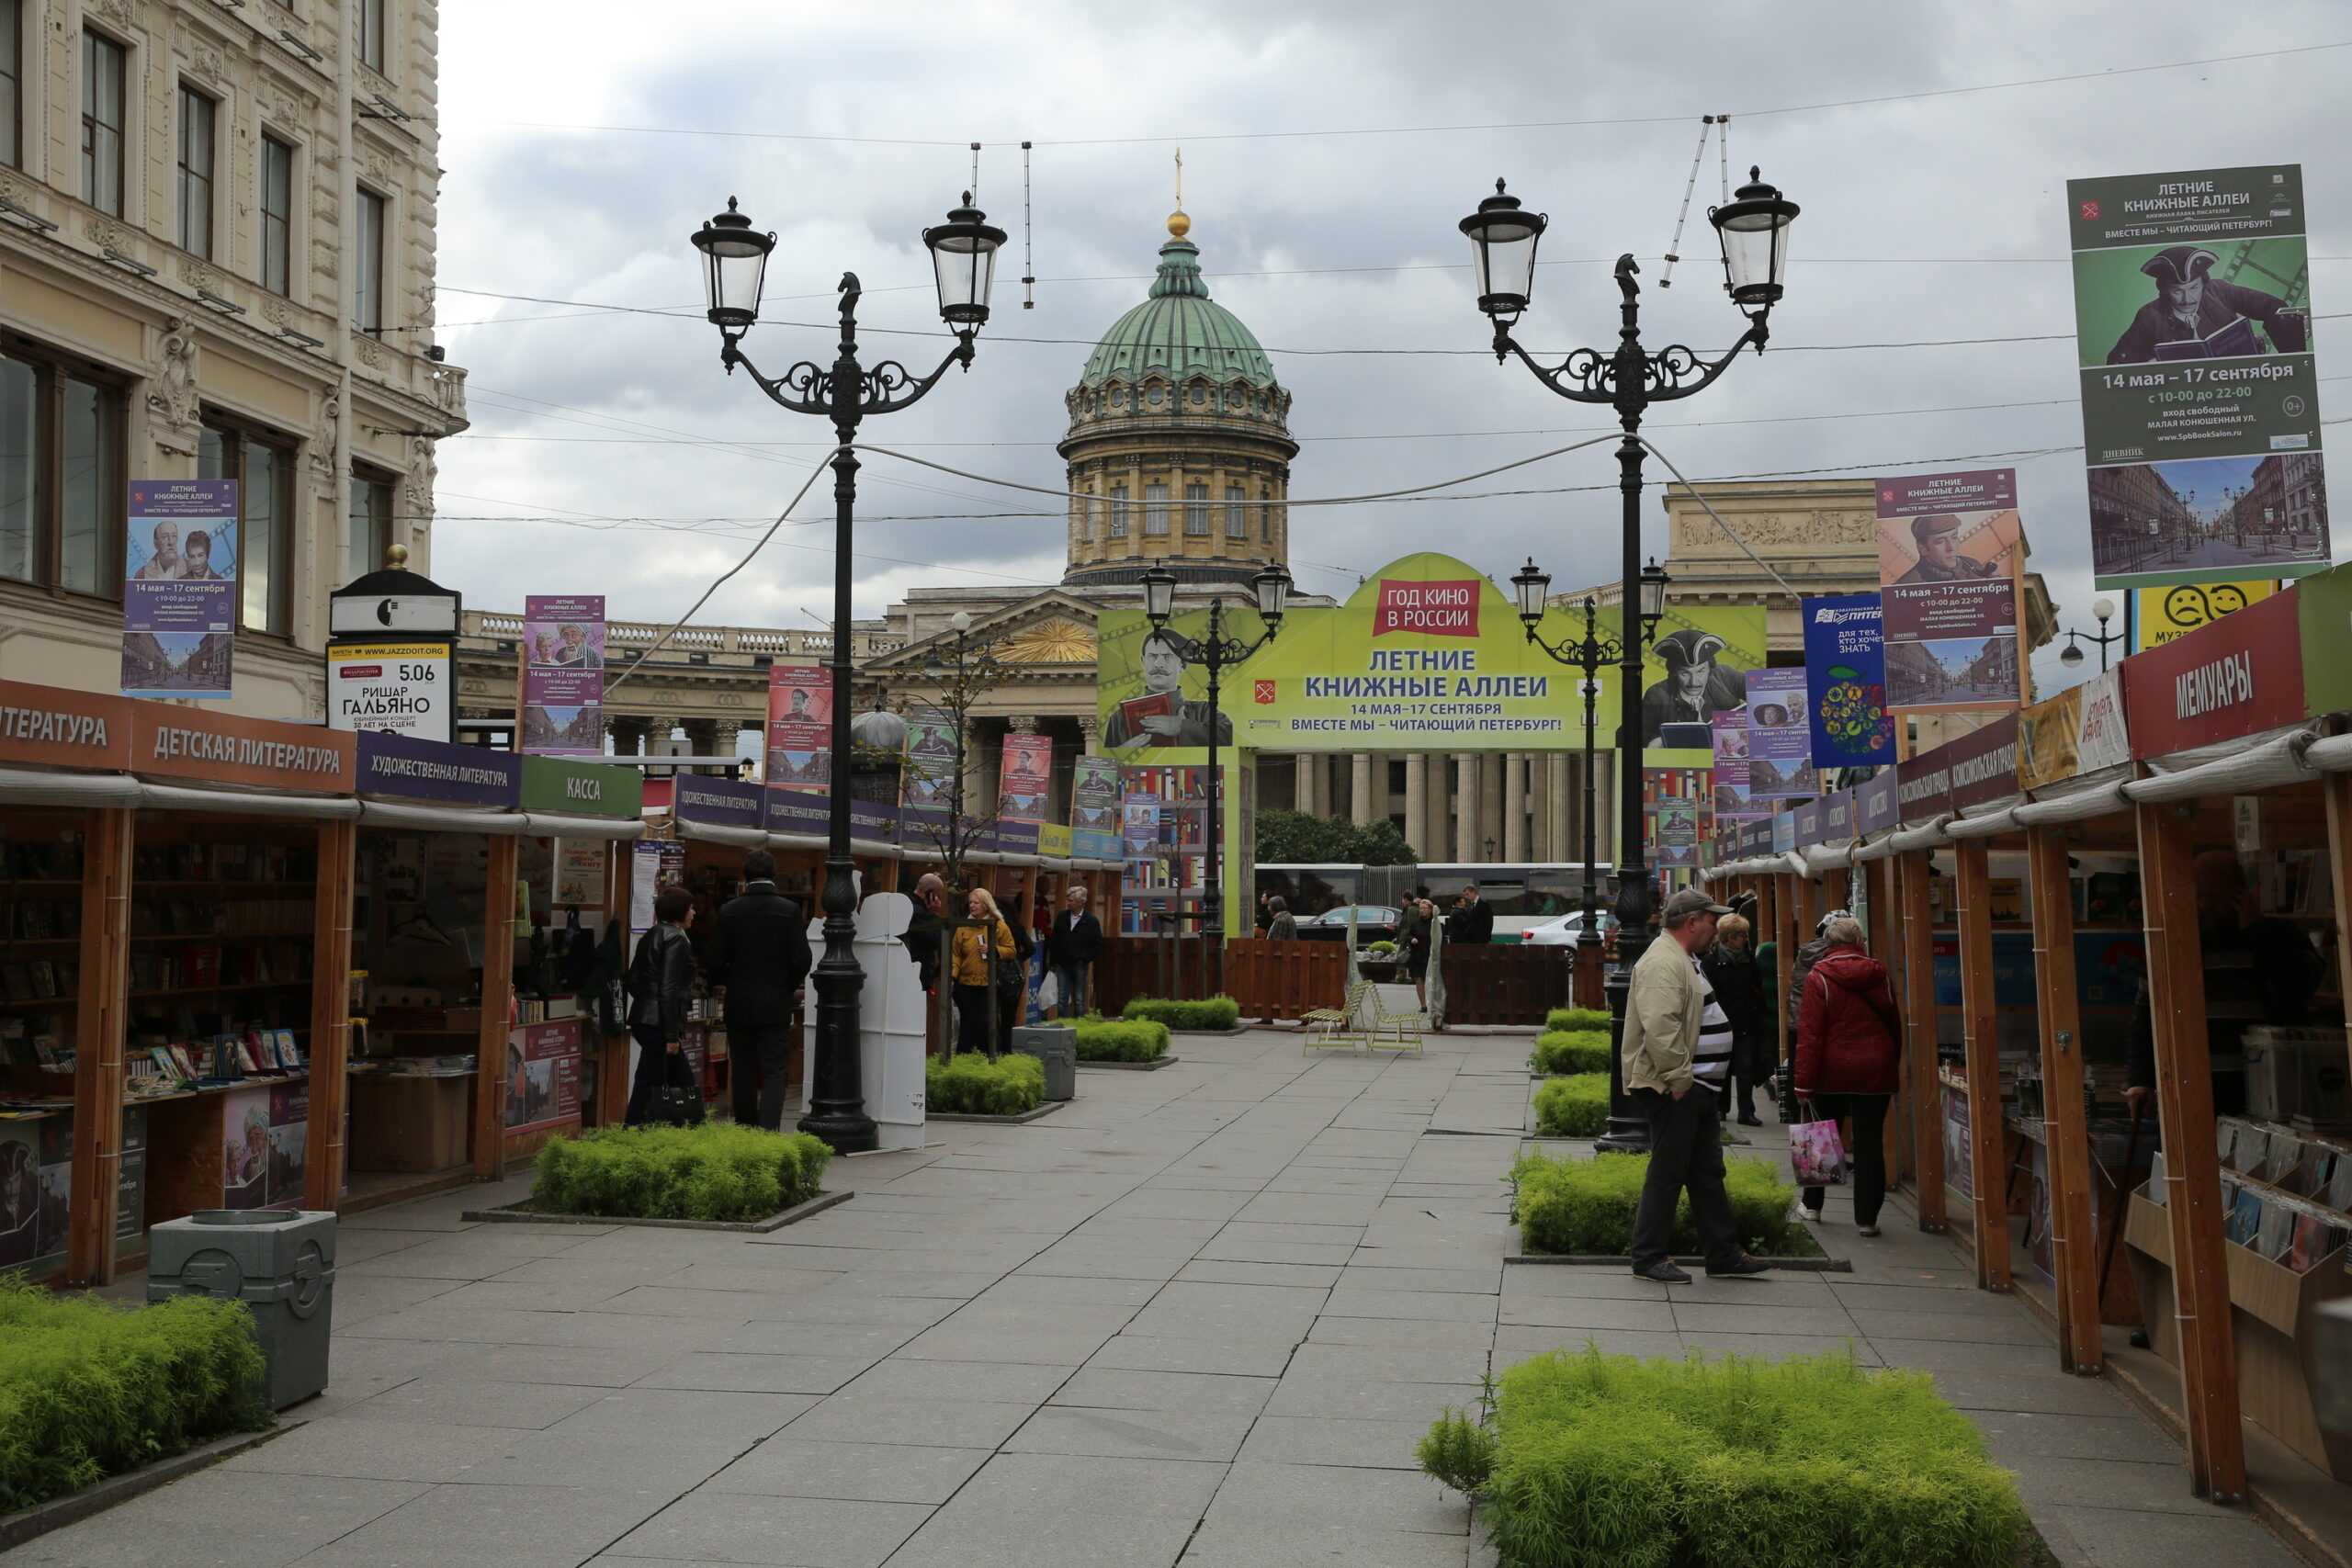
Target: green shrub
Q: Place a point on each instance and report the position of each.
(1575, 1107)
(1577, 1018)
(1571, 1051)
(1106, 1040)
(90, 1387)
(1218, 1012)
(714, 1171)
(1610, 1462)
(1586, 1206)
(1459, 1451)
(970, 1085)
(1381, 950)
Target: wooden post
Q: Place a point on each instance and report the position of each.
(1837, 890)
(1919, 1069)
(2073, 1232)
(2336, 791)
(100, 1072)
(1785, 894)
(330, 1014)
(1878, 878)
(497, 1003)
(1987, 1171)
(2200, 1280)
(610, 1054)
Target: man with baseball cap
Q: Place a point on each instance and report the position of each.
(1677, 1061)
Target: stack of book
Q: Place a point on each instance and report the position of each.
(2288, 1197)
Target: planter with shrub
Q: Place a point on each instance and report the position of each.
(1129, 1041)
(1587, 1460)
(1585, 1207)
(1573, 1018)
(91, 1388)
(717, 1173)
(1573, 1107)
(1570, 1051)
(969, 1084)
(1217, 1015)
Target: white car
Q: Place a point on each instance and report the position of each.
(1562, 930)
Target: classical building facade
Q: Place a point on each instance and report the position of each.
(216, 261)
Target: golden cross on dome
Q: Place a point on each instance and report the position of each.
(1178, 224)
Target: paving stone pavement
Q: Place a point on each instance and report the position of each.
(1198, 1317)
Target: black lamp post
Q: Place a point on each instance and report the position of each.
(2072, 654)
(1216, 653)
(1589, 653)
(1753, 232)
(735, 260)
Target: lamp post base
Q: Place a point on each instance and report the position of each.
(1628, 1132)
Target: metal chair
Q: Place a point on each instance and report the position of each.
(1329, 1027)
(1407, 1025)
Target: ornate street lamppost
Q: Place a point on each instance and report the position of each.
(2072, 654)
(1753, 231)
(1216, 653)
(735, 255)
(1589, 653)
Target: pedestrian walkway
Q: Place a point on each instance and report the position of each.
(1198, 1317)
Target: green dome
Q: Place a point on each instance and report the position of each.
(1179, 332)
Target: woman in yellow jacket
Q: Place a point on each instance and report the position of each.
(974, 974)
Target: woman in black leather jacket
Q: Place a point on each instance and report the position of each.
(660, 979)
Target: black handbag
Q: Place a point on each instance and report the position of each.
(674, 1105)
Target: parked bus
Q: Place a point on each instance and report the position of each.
(1524, 894)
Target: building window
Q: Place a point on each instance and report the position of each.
(1155, 509)
(1118, 512)
(263, 470)
(1236, 515)
(12, 82)
(1086, 520)
(371, 34)
(369, 532)
(196, 172)
(368, 276)
(1196, 510)
(105, 69)
(276, 215)
(1266, 523)
(61, 477)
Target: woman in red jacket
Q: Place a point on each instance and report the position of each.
(1850, 1042)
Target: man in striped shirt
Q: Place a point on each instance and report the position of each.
(1677, 1047)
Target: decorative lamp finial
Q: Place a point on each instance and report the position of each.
(396, 557)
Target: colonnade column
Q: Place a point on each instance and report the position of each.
(1360, 791)
(1514, 834)
(1417, 802)
(1466, 770)
(1568, 841)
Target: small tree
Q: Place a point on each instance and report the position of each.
(1296, 838)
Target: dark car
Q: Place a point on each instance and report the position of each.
(1374, 923)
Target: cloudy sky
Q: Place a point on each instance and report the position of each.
(1325, 169)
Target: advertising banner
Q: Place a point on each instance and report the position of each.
(405, 765)
(564, 675)
(698, 797)
(1676, 841)
(2240, 676)
(1733, 801)
(1983, 763)
(560, 785)
(2200, 404)
(179, 594)
(1027, 779)
(1696, 667)
(1876, 806)
(225, 748)
(73, 729)
(927, 774)
(1093, 798)
(1948, 556)
(543, 1072)
(2080, 731)
(800, 726)
(1779, 736)
(400, 688)
(1845, 671)
(2160, 615)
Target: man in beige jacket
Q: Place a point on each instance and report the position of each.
(1677, 1047)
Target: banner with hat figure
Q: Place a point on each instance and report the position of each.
(1949, 547)
(2201, 402)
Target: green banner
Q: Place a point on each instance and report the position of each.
(582, 789)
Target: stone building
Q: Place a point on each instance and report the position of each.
(216, 261)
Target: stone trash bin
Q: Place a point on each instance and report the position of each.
(280, 1263)
(1056, 1046)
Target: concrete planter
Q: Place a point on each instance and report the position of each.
(518, 1214)
(1151, 1066)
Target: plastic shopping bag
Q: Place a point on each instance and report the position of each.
(1816, 1155)
(1049, 992)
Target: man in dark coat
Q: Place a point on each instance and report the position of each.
(759, 953)
(2191, 306)
(1071, 947)
(1473, 920)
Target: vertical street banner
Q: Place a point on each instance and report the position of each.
(2200, 401)
(1094, 797)
(1027, 779)
(800, 727)
(564, 675)
(1779, 736)
(1845, 679)
(179, 593)
(1732, 802)
(1948, 549)
(927, 773)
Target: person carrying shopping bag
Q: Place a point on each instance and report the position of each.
(660, 981)
(1849, 1048)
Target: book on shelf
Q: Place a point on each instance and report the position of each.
(2314, 1238)
(2277, 1230)
(2246, 1215)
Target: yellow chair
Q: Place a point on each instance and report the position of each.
(1407, 1027)
(1336, 1027)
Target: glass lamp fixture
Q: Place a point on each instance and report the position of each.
(1532, 585)
(1754, 230)
(1159, 593)
(1653, 591)
(1502, 253)
(963, 257)
(734, 262)
(1273, 587)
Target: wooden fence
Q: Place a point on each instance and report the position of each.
(1269, 980)
(1513, 984)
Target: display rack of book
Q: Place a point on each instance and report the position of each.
(219, 1019)
(2287, 1198)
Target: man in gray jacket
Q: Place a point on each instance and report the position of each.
(1678, 1048)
